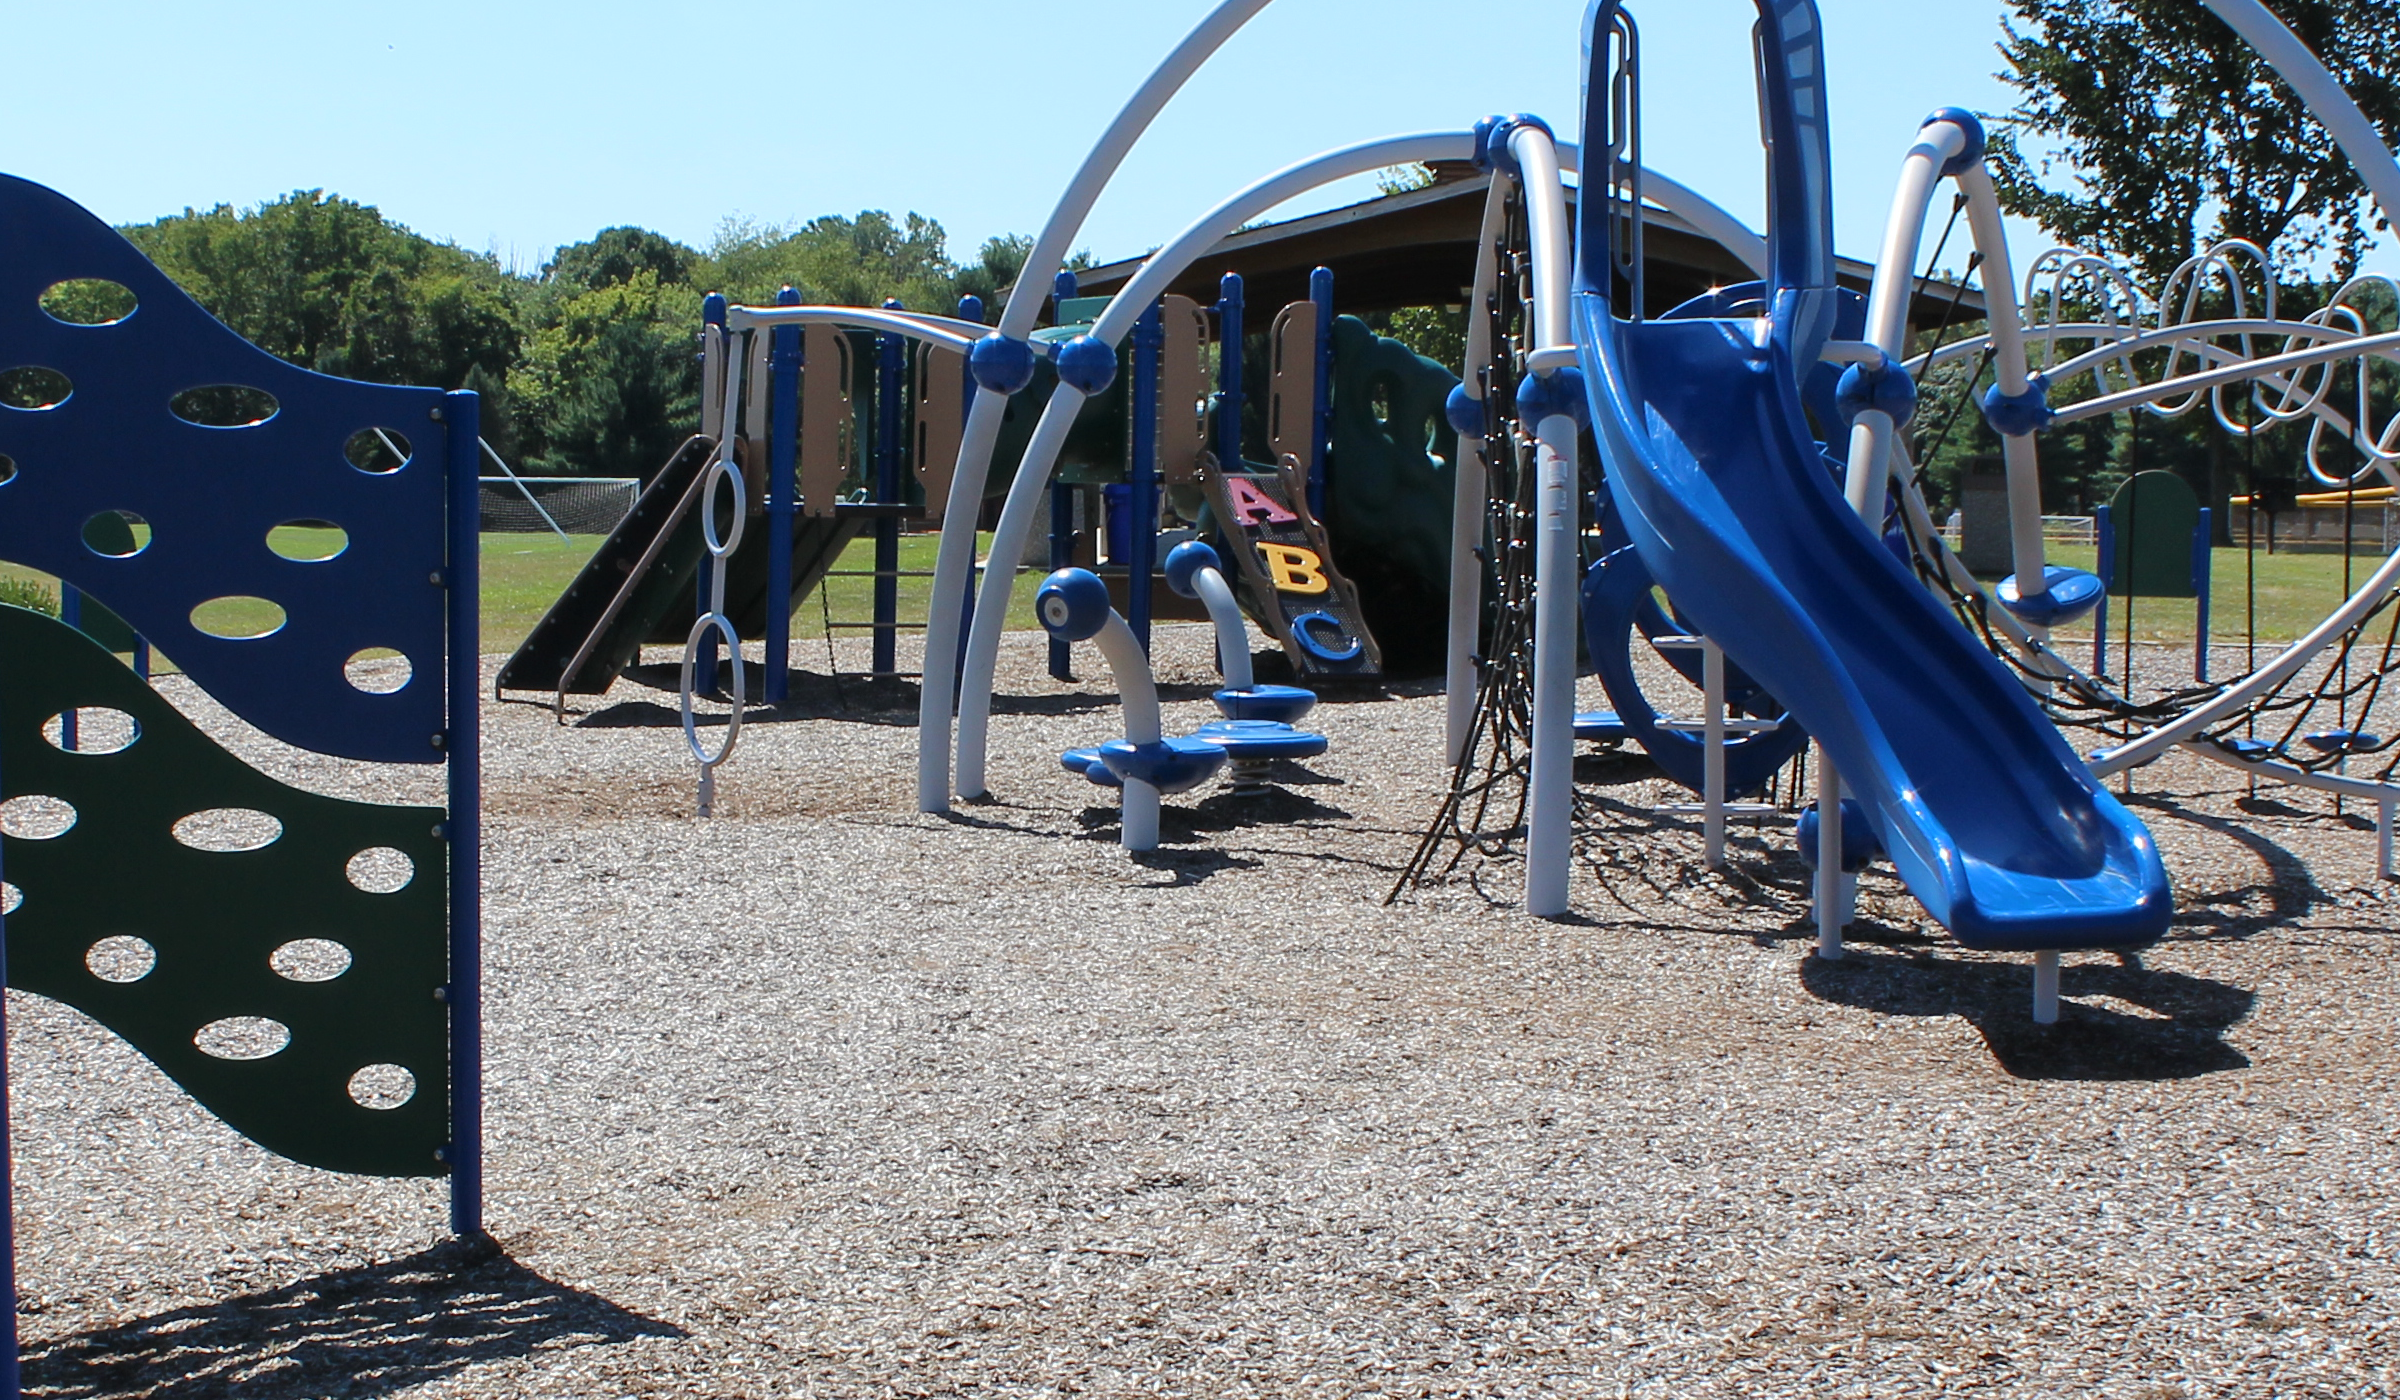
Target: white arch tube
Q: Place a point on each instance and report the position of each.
(941, 330)
(1887, 302)
(1137, 828)
(2014, 374)
(1041, 454)
(1470, 487)
(1233, 640)
(955, 557)
(1550, 815)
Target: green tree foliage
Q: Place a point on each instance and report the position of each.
(588, 367)
(2167, 128)
(836, 261)
(613, 256)
(328, 283)
(609, 386)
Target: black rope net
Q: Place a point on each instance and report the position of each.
(2314, 718)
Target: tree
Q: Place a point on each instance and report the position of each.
(612, 256)
(329, 284)
(610, 387)
(2163, 120)
(835, 261)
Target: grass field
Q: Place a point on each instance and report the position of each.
(2295, 591)
(524, 574)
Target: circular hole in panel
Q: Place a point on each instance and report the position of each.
(378, 451)
(224, 406)
(228, 829)
(242, 1038)
(36, 818)
(116, 534)
(10, 897)
(377, 670)
(310, 960)
(121, 959)
(382, 1087)
(308, 541)
(8, 469)
(89, 301)
(381, 870)
(98, 730)
(34, 387)
(238, 618)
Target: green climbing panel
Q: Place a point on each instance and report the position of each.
(2153, 516)
(183, 950)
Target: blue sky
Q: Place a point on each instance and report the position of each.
(514, 127)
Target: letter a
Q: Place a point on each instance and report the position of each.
(1252, 506)
(1295, 570)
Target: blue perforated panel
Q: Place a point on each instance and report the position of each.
(211, 495)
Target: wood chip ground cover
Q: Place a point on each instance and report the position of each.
(830, 1098)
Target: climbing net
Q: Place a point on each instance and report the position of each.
(1483, 812)
(2215, 336)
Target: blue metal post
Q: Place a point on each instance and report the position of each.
(783, 486)
(462, 743)
(891, 399)
(970, 308)
(1062, 500)
(70, 612)
(1141, 496)
(1229, 372)
(1320, 291)
(2203, 562)
(2108, 569)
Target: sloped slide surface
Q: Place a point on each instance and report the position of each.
(1990, 818)
(639, 585)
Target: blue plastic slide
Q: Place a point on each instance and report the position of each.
(1987, 814)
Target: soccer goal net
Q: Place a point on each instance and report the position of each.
(578, 505)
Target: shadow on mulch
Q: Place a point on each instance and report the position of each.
(2289, 892)
(2182, 1038)
(354, 1332)
(1212, 816)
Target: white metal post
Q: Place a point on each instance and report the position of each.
(1712, 786)
(2045, 987)
(1549, 844)
(1829, 858)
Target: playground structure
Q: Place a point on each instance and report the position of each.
(307, 968)
(1752, 459)
(1798, 615)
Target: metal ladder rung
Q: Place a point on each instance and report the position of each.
(1679, 641)
(1732, 809)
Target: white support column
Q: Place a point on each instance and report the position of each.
(2045, 987)
(1550, 838)
(1712, 786)
(2383, 836)
(1469, 491)
(1829, 901)
(1137, 826)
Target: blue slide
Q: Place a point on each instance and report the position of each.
(1987, 814)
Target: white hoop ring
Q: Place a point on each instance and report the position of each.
(723, 626)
